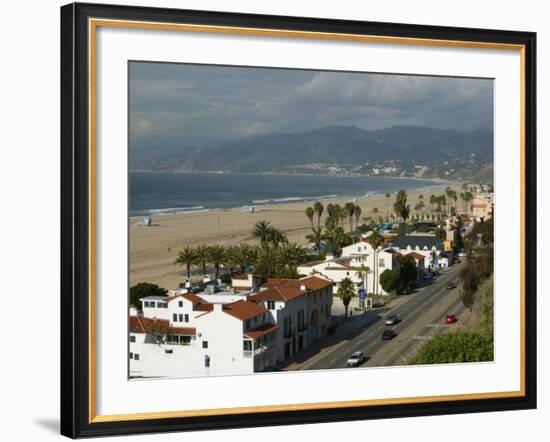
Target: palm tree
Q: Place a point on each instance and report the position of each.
(318, 209)
(262, 230)
(188, 258)
(375, 239)
(267, 260)
(468, 196)
(346, 292)
(419, 206)
(433, 201)
(309, 213)
(316, 237)
(276, 237)
(291, 255)
(201, 252)
(357, 213)
(217, 255)
(350, 211)
(244, 255)
(362, 274)
(388, 196)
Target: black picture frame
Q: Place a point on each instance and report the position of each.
(75, 220)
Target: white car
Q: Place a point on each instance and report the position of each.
(357, 358)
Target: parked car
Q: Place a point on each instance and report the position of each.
(427, 276)
(462, 254)
(357, 358)
(388, 335)
(450, 319)
(391, 320)
(451, 285)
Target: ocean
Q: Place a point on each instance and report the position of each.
(159, 193)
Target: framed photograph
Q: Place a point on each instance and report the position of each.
(274, 220)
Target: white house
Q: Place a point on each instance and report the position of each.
(300, 308)
(220, 332)
(429, 246)
(352, 264)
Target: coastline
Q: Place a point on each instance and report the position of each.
(153, 249)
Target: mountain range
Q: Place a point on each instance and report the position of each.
(326, 145)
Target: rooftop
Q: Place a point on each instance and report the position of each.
(243, 310)
(260, 331)
(421, 241)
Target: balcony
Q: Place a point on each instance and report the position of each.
(257, 351)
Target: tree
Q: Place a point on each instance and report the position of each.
(201, 253)
(407, 269)
(316, 237)
(318, 209)
(157, 328)
(362, 273)
(375, 239)
(461, 346)
(262, 230)
(267, 260)
(217, 256)
(244, 255)
(357, 212)
(388, 280)
(388, 196)
(346, 292)
(142, 290)
(350, 211)
(188, 258)
(309, 214)
(400, 207)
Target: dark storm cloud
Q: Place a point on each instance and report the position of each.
(177, 104)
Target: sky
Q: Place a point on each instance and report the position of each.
(202, 105)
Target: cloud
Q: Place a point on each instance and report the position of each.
(194, 105)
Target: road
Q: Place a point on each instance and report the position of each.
(423, 309)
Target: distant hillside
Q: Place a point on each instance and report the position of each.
(335, 144)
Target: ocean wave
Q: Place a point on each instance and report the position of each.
(291, 199)
(174, 209)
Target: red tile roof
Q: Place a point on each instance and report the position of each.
(416, 256)
(260, 331)
(243, 310)
(185, 331)
(311, 282)
(315, 283)
(140, 324)
(277, 293)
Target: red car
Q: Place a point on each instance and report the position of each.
(450, 319)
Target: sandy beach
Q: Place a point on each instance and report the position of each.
(154, 248)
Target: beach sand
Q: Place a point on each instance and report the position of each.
(153, 249)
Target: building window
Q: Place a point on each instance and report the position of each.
(247, 324)
(180, 304)
(180, 317)
(132, 338)
(204, 344)
(131, 355)
(381, 262)
(186, 317)
(271, 305)
(136, 357)
(174, 317)
(145, 303)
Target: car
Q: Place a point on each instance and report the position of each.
(450, 319)
(388, 335)
(391, 320)
(451, 285)
(462, 254)
(427, 276)
(357, 358)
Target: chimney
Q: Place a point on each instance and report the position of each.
(303, 287)
(329, 257)
(218, 307)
